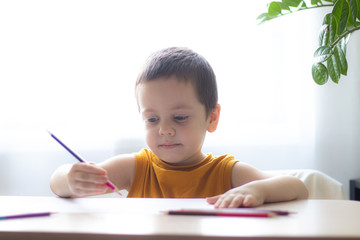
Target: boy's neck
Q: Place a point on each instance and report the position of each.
(199, 159)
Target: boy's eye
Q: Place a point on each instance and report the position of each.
(152, 120)
(180, 118)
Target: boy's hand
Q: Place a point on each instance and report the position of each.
(237, 197)
(87, 179)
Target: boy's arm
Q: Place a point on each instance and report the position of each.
(120, 170)
(81, 179)
(252, 188)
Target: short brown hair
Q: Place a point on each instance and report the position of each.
(186, 65)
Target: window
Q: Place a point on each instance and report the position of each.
(70, 66)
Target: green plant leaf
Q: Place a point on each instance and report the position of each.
(344, 17)
(324, 35)
(320, 73)
(337, 9)
(315, 2)
(342, 60)
(274, 9)
(346, 38)
(333, 66)
(284, 6)
(353, 10)
(343, 43)
(292, 3)
(264, 17)
(358, 12)
(341, 12)
(350, 22)
(330, 20)
(322, 54)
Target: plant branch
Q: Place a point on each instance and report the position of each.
(344, 34)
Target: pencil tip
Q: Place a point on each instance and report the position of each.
(48, 131)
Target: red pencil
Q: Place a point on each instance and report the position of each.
(220, 213)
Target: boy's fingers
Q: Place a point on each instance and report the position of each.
(91, 187)
(249, 201)
(89, 177)
(212, 200)
(219, 201)
(225, 202)
(82, 173)
(237, 201)
(89, 168)
(231, 201)
(84, 188)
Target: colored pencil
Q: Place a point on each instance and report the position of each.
(281, 213)
(80, 159)
(220, 213)
(26, 215)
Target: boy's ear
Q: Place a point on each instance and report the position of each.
(214, 118)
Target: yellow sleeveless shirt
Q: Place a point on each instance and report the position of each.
(155, 179)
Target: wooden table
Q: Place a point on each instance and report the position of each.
(122, 218)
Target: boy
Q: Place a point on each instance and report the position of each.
(177, 98)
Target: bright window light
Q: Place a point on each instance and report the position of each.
(70, 67)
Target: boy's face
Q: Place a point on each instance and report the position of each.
(175, 120)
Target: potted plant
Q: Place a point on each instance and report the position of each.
(330, 56)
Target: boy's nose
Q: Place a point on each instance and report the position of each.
(166, 130)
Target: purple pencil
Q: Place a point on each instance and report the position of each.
(26, 215)
(80, 159)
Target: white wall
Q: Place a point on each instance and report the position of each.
(337, 145)
(28, 173)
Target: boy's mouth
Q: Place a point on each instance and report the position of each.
(169, 146)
